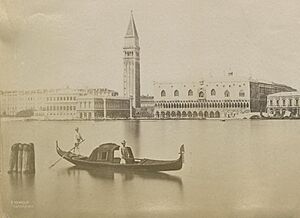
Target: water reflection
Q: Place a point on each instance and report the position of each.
(22, 198)
(127, 175)
(132, 135)
(18, 180)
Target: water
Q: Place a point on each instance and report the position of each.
(232, 169)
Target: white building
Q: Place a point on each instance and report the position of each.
(226, 97)
(91, 107)
(48, 104)
(283, 104)
(13, 103)
(60, 104)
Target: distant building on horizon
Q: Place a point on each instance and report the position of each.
(226, 97)
(64, 104)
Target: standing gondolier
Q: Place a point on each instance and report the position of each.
(126, 153)
(78, 139)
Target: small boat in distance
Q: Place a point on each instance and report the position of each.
(103, 157)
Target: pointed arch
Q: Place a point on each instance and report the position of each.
(227, 93)
(213, 92)
(205, 114)
(168, 114)
(157, 114)
(173, 114)
(201, 94)
(200, 114)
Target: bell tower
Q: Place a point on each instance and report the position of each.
(131, 62)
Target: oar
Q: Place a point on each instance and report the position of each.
(64, 154)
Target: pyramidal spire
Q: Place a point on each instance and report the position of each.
(131, 30)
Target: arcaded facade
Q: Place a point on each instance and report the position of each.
(226, 97)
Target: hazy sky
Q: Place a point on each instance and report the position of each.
(58, 43)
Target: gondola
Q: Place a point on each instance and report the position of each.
(103, 157)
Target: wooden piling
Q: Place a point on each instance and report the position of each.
(13, 162)
(25, 165)
(22, 158)
(31, 158)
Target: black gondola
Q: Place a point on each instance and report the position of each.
(103, 157)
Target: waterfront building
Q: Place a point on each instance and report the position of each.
(60, 104)
(48, 104)
(226, 97)
(147, 106)
(21, 103)
(283, 104)
(131, 64)
(91, 107)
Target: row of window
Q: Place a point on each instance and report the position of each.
(217, 85)
(284, 102)
(66, 98)
(204, 105)
(86, 115)
(61, 108)
(85, 104)
(178, 114)
(109, 104)
(60, 114)
(130, 53)
(201, 93)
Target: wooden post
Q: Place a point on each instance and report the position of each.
(31, 157)
(25, 160)
(13, 162)
(20, 158)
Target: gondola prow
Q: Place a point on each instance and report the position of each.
(181, 152)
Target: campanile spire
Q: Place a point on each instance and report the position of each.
(131, 73)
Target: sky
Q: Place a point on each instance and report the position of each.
(60, 43)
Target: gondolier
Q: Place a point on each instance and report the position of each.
(126, 153)
(78, 139)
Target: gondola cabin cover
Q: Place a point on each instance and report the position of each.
(105, 153)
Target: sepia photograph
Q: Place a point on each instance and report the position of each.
(137, 109)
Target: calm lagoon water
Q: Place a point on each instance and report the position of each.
(237, 168)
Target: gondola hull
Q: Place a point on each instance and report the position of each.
(140, 164)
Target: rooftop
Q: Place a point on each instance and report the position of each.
(285, 94)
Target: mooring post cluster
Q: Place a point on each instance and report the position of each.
(22, 158)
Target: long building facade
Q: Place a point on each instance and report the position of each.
(91, 107)
(64, 104)
(226, 97)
